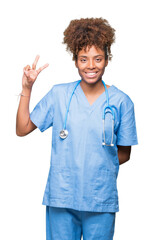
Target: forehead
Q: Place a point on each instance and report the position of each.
(91, 51)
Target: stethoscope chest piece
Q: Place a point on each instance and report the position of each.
(63, 134)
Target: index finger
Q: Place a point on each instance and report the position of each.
(41, 68)
(35, 62)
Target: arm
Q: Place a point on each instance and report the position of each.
(123, 153)
(23, 123)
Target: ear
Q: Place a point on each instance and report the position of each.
(76, 64)
(106, 63)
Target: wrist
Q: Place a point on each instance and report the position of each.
(26, 91)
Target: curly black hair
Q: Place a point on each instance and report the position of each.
(87, 32)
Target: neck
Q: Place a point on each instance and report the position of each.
(92, 88)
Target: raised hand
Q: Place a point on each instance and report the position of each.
(30, 74)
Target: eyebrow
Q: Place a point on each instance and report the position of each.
(94, 56)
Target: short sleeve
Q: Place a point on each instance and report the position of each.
(43, 113)
(127, 133)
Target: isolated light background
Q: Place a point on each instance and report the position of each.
(35, 27)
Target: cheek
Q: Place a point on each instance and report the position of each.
(81, 66)
(81, 69)
(102, 67)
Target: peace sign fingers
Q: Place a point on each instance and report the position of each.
(35, 62)
(41, 68)
(30, 74)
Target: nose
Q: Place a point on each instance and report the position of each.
(91, 64)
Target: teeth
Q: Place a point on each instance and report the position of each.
(91, 74)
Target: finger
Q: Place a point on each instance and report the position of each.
(25, 72)
(27, 68)
(41, 68)
(35, 62)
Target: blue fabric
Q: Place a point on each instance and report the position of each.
(83, 173)
(66, 224)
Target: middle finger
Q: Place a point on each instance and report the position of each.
(35, 62)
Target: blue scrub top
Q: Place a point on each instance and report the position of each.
(83, 172)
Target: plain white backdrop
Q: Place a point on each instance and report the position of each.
(34, 27)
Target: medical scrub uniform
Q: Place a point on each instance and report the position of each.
(81, 190)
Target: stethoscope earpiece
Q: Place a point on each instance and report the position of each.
(108, 145)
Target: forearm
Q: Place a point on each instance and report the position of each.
(23, 115)
(124, 154)
(23, 123)
(122, 159)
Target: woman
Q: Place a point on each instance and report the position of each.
(93, 130)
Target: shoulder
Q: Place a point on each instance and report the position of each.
(121, 96)
(58, 91)
(60, 88)
(64, 86)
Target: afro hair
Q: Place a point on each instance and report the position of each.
(88, 32)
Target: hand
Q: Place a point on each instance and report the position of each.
(30, 75)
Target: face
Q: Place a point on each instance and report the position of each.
(91, 64)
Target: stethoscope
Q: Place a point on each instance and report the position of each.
(64, 131)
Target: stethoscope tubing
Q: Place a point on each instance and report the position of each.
(67, 110)
(64, 131)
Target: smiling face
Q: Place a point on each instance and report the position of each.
(91, 64)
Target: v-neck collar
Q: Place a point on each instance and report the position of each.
(85, 101)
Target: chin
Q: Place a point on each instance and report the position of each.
(91, 81)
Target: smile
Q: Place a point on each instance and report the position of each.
(91, 74)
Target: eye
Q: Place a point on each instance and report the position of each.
(98, 59)
(83, 60)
